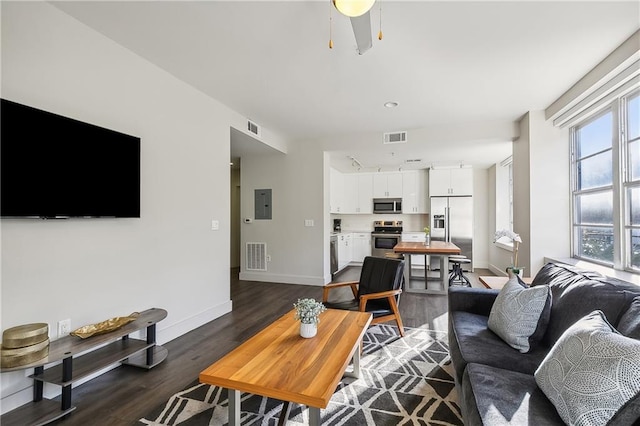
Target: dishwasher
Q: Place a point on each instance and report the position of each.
(333, 254)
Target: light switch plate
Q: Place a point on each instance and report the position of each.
(215, 225)
(308, 222)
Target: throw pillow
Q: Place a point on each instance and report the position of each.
(592, 373)
(516, 312)
(629, 323)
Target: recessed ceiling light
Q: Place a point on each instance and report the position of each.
(390, 104)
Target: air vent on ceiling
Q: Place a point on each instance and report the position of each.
(256, 256)
(413, 160)
(395, 137)
(253, 128)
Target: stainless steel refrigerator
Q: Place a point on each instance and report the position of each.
(452, 221)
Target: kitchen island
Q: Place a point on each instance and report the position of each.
(435, 248)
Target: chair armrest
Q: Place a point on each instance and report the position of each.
(390, 294)
(475, 300)
(380, 295)
(328, 287)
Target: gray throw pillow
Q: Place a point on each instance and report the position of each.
(629, 323)
(592, 373)
(516, 312)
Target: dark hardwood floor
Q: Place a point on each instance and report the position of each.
(125, 394)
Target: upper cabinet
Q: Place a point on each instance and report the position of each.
(336, 197)
(447, 182)
(387, 185)
(414, 192)
(357, 192)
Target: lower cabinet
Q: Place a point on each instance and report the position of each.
(361, 247)
(344, 250)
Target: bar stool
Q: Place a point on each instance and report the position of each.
(457, 276)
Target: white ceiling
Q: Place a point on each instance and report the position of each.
(449, 64)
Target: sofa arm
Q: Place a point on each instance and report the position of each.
(475, 300)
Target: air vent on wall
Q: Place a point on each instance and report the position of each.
(256, 257)
(253, 128)
(395, 137)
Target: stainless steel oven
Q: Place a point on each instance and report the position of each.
(386, 234)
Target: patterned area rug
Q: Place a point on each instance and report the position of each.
(403, 381)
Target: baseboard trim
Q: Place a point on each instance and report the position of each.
(282, 278)
(496, 270)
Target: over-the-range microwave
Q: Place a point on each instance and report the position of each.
(387, 205)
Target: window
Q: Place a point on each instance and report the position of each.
(606, 185)
(504, 200)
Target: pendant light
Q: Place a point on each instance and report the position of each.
(353, 8)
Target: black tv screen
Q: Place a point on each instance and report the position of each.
(57, 167)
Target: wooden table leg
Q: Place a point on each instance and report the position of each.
(314, 416)
(234, 407)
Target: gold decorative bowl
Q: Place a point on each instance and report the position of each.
(106, 326)
(25, 335)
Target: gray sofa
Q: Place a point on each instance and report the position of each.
(495, 382)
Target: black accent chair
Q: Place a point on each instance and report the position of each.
(377, 292)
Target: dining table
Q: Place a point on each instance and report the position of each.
(443, 249)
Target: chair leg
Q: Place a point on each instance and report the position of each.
(394, 308)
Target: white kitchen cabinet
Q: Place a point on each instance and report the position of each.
(344, 250)
(361, 246)
(336, 187)
(357, 193)
(365, 194)
(414, 192)
(447, 182)
(387, 185)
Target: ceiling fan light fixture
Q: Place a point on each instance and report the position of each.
(353, 8)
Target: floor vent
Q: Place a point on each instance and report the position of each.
(394, 137)
(253, 128)
(256, 256)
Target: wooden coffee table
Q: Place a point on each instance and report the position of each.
(278, 363)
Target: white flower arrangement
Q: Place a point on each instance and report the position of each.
(516, 239)
(308, 311)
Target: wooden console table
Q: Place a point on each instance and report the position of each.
(122, 349)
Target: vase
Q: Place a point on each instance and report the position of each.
(427, 239)
(308, 330)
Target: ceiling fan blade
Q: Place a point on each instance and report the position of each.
(362, 31)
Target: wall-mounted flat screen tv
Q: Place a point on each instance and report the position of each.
(56, 167)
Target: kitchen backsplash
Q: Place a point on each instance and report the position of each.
(364, 222)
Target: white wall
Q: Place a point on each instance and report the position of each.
(298, 193)
(93, 269)
(481, 226)
(541, 191)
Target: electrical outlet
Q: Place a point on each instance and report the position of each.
(64, 327)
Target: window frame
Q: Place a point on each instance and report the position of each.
(620, 185)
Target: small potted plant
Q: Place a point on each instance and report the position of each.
(427, 236)
(308, 312)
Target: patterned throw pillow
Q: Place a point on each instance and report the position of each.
(516, 312)
(592, 373)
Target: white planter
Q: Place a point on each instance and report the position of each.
(308, 330)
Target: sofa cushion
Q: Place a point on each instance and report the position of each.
(575, 293)
(592, 373)
(494, 396)
(471, 341)
(629, 323)
(516, 313)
